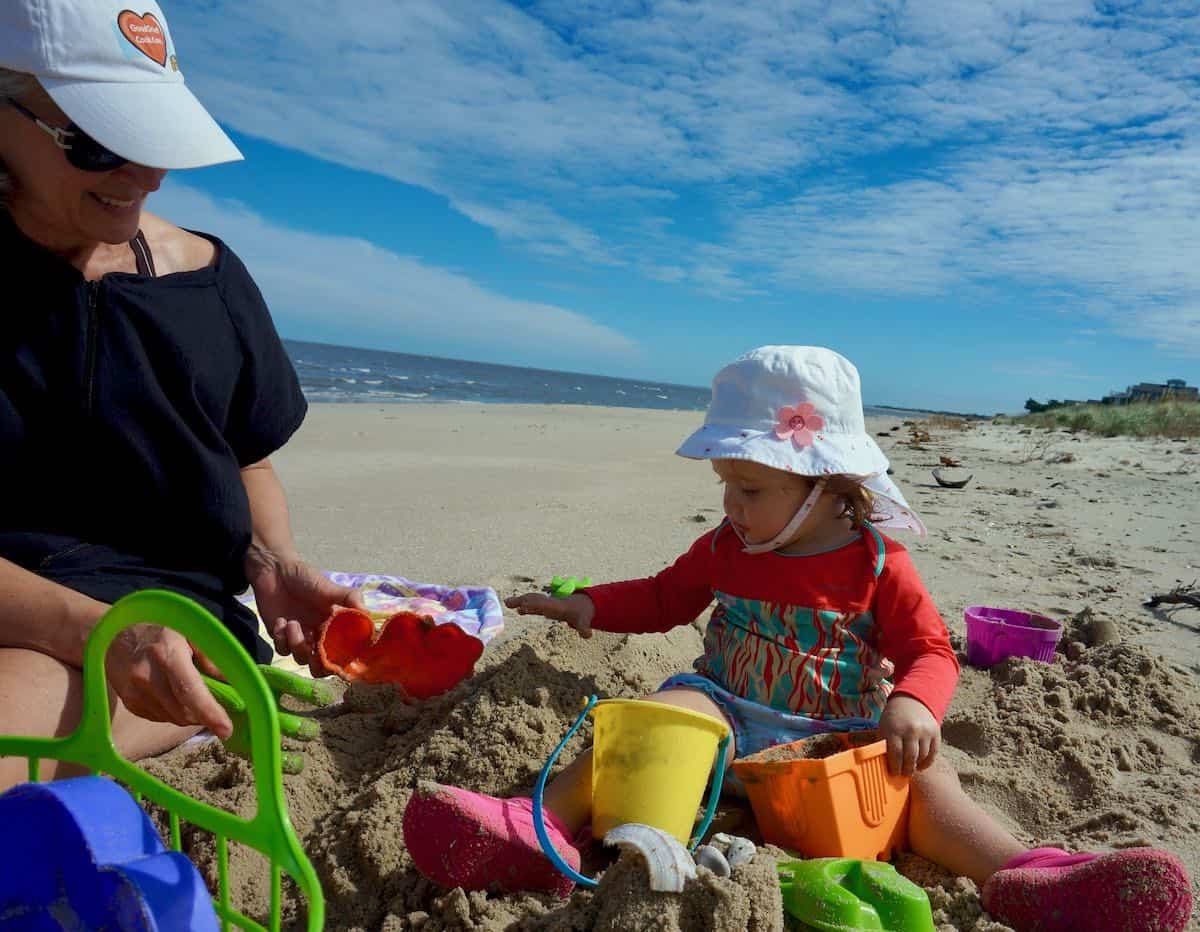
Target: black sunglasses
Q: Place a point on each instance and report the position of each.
(81, 150)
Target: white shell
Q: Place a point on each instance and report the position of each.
(667, 861)
(709, 857)
(738, 850)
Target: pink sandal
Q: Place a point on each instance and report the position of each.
(462, 839)
(1050, 890)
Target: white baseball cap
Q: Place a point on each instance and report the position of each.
(798, 409)
(115, 73)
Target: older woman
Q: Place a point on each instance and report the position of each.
(142, 387)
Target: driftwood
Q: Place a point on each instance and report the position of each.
(1180, 595)
(951, 483)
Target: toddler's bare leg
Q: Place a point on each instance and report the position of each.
(569, 795)
(1136, 888)
(945, 826)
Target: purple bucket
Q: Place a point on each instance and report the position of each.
(996, 633)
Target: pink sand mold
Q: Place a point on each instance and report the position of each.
(996, 633)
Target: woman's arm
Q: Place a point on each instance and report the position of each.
(271, 527)
(293, 598)
(149, 667)
(41, 615)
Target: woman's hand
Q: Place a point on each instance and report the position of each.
(293, 601)
(577, 609)
(912, 734)
(153, 671)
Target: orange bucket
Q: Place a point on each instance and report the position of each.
(845, 805)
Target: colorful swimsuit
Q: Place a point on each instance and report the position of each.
(796, 644)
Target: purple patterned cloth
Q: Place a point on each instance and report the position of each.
(475, 609)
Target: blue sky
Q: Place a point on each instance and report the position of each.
(976, 202)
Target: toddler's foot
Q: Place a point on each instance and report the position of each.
(462, 839)
(1047, 890)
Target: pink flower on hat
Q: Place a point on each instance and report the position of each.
(799, 423)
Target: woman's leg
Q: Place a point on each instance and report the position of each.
(569, 795)
(41, 696)
(947, 827)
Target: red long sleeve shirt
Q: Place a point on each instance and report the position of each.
(828, 635)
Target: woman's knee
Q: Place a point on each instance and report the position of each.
(43, 697)
(39, 695)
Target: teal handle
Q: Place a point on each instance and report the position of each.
(539, 819)
(714, 793)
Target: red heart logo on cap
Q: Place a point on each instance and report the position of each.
(412, 651)
(145, 33)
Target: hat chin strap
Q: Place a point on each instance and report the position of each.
(792, 527)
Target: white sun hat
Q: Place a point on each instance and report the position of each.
(799, 409)
(116, 74)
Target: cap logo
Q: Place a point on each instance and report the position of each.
(146, 35)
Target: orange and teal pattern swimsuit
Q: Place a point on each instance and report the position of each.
(828, 636)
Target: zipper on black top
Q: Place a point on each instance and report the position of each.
(89, 357)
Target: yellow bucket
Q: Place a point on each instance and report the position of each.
(650, 763)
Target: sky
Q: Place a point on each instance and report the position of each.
(976, 202)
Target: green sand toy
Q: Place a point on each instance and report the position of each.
(269, 830)
(281, 683)
(561, 586)
(848, 895)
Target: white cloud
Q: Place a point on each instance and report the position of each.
(1045, 145)
(326, 287)
(540, 228)
(1109, 237)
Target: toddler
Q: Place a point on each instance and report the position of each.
(821, 624)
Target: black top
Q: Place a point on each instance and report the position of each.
(128, 406)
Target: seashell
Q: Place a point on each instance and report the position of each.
(709, 857)
(948, 483)
(738, 850)
(668, 862)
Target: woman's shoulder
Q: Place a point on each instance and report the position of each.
(175, 249)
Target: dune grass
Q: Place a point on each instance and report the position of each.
(1146, 419)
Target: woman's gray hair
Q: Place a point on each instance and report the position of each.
(13, 84)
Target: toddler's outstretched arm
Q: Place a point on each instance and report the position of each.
(577, 609)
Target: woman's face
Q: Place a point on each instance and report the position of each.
(57, 204)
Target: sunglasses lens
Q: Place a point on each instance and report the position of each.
(88, 155)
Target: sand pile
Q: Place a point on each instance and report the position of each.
(1090, 752)
(1094, 753)
(1100, 750)
(491, 734)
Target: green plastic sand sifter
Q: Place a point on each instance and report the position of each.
(269, 831)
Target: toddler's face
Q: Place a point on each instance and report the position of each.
(760, 501)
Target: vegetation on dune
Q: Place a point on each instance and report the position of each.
(1171, 418)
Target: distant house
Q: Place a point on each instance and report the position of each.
(1152, 391)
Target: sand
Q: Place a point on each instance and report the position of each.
(1096, 751)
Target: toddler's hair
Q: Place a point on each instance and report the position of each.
(858, 504)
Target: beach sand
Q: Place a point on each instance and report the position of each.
(1097, 751)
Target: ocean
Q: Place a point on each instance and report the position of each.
(347, 374)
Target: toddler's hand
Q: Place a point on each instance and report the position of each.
(577, 610)
(912, 734)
